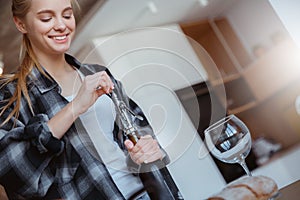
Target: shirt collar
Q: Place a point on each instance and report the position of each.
(45, 84)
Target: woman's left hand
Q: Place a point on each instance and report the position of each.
(146, 150)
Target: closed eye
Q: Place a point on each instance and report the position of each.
(46, 19)
(67, 16)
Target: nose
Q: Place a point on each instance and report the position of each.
(59, 25)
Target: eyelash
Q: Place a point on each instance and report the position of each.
(67, 16)
(48, 19)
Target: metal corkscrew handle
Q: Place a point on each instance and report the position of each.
(126, 118)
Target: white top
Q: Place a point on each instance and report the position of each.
(98, 120)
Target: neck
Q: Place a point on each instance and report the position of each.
(55, 65)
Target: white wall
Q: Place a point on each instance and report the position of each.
(288, 12)
(152, 63)
(255, 22)
(158, 48)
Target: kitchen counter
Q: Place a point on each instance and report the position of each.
(284, 168)
(290, 192)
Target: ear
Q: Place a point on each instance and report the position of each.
(20, 25)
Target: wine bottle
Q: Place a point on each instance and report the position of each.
(155, 176)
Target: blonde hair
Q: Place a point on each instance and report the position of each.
(28, 61)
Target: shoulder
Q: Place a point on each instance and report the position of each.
(93, 67)
(90, 68)
(86, 68)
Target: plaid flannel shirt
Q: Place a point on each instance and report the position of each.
(35, 165)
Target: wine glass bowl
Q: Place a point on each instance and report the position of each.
(229, 140)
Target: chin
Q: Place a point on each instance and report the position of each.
(61, 50)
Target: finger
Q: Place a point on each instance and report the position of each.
(100, 92)
(146, 137)
(107, 79)
(144, 140)
(149, 152)
(129, 145)
(135, 152)
(147, 144)
(136, 157)
(153, 157)
(148, 157)
(104, 83)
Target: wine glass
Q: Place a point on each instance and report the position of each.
(229, 140)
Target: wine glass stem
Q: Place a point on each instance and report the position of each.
(244, 165)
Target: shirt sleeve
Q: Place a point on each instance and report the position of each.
(25, 155)
(38, 131)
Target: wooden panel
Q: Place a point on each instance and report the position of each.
(195, 29)
(206, 61)
(202, 33)
(275, 70)
(218, 53)
(276, 118)
(233, 41)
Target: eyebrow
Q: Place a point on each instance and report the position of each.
(51, 11)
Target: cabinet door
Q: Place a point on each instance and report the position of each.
(236, 47)
(222, 43)
(203, 34)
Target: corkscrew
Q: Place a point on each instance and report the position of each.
(127, 117)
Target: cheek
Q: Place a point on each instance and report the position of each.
(37, 28)
(72, 25)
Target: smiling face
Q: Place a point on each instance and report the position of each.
(49, 25)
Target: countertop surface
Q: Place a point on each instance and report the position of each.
(290, 192)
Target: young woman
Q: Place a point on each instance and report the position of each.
(47, 109)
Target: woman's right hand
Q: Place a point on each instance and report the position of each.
(92, 87)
